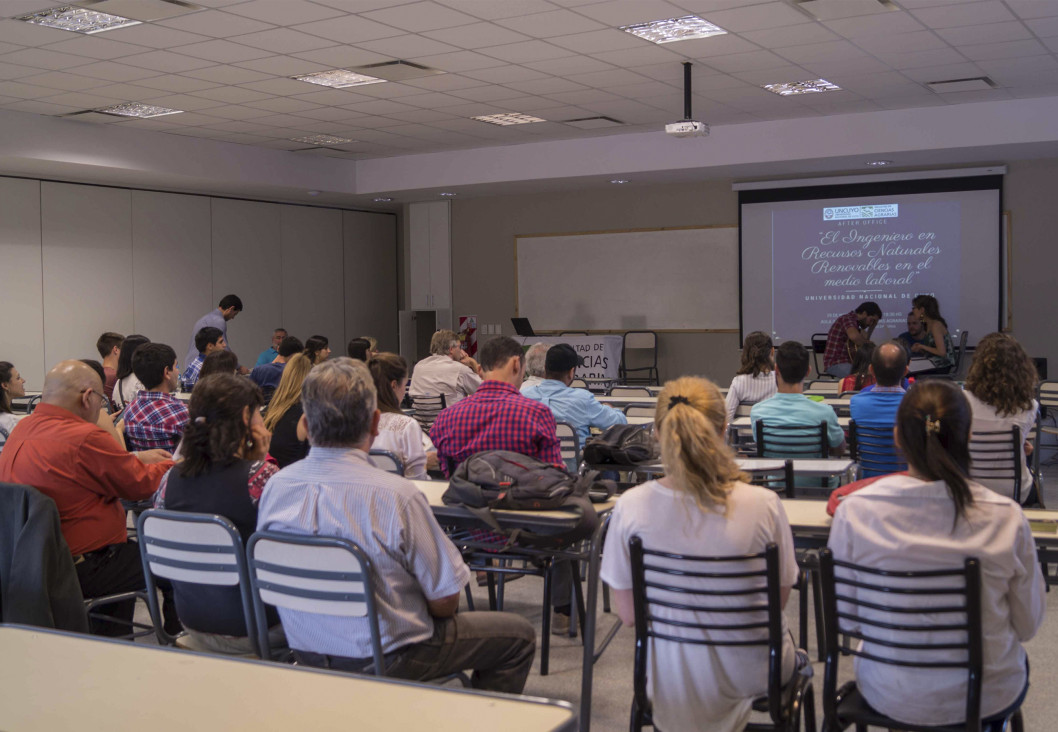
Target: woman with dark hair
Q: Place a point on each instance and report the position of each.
(219, 362)
(861, 369)
(126, 386)
(937, 346)
(317, 349)
(397, 432)
(1001, 389)
(284, 413)
(11, 385)
(934, 517)
(754, 381)
(223, 472)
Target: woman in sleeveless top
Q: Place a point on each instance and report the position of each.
(937, 346)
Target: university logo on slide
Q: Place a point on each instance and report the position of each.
(874, 211)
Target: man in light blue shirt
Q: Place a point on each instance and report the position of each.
(577, 407)
(877, 407)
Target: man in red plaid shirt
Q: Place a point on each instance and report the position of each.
(155, 418)
(848, 332)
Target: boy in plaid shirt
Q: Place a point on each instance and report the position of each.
(155, 418)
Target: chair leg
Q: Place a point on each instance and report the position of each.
(817, 599)
(635, 723)
(809, 706)
(545, 640)
(1017, 724)
(578, 594)
(802, 605)
(470, 598)
(605, 598)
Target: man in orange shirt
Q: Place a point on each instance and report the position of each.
(61, 452)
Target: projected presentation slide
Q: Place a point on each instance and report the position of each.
(807, 262)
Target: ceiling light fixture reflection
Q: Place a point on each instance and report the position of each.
(322, 140)
(813, 86)
(509, 118)
(671, 30)
(879, 163)
(339, 78)
(136, 109)
(78, 20)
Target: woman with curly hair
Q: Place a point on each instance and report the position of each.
(754, 381)
(1001, 387)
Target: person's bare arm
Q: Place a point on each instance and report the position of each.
(858, 336)
(445, 607)
(784, 595)
(625, 607)
(937, 331)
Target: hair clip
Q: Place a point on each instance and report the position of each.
(674, 400)
(200, 420)
(932, 425)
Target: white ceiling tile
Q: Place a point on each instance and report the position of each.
(504, 74)
(28, 34)
(343, 57)
(22, 90)
(282, 40)
(476, 35)
(419, 17)
(652, 91)
(985, 95)
(524, 103)
(490, 92)
(379, 107)
(832, 50)
(919, 59)
(897, 43)
(620, 12)
(674, 73)
(1044, 28)
(993, 33)
(777, 74)
(1051, 43)
(276, 86)
(570, 65)
(131, 91)
(282, 105)
(715, 46)
(232, 94)
(443, 82)
(746, 61)
(585, 97)
(283, 12)
(554, 23)
(459, 61)
(874, 26)
(34, 106)
(224, 52)
(159, 125)
(226, 75)
(174, 83)
(433, 100)
(942, 73)
(84, 100)
(215, 24)
(14, 71)
(389, 90)
(178, 101)
(331, 97)
(1020, 71)
(236, 111)
(166, 61)
(282, 66)
(756, 17)
(328, 114)
(549, 85)
(490, 10)
(421, 116)
(407, 47)
(600, 41)
(791, 35)
(96, 47)
(64, 81)
(640, 56)
(1033, 8)
(154, 36)
(43, 59)
(966, 13)
(9, 47)
(861, 65)
(349, 29)
(520, 53)
(1010, 49)
(289, 121)
(609, 78)
(113, 71)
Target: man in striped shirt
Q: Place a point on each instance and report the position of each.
(418, 573)
(155, 419)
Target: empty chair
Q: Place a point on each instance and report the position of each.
(570, 445)
(579, 384)
(386, 460)
(997, 459)
(874, 449)
(632, 391)
(819, 347)
(639, 410)
(427, 407)
(823, 385)
(641, 345)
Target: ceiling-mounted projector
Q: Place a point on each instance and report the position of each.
(687, 127)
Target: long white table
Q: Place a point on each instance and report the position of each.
(61, 681)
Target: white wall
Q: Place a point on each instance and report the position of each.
(77, 260)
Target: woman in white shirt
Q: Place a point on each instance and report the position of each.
(934, 518)
(701, 507)
(12, 385)
(397, 432)
(1000, 388)
(127, 386)
(754, 381)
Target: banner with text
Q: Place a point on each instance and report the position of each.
(600, 356)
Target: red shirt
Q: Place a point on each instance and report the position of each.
(81, 468)
(838, 340)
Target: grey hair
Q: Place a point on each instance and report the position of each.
(339, 401)
(442, 341)
(535, 358)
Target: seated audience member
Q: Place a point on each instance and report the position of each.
(155, 418)
(227, 309)
(534, 365)
(418, 572)
(207, 340)
(936, 345)
(397, 432)
(789, 406)
(373, 342)
(1000, 388)
(577, 407)
(61, 452)
(127, 386)
(269, 354)
(219, 362)
(860, 376)
(109, 347)
(754, 380)
(106, 420)
(284, 413)
(915, 333)
(267, 375)
(849, 331)
(934, 518)
(12, 385)
(223, 472)
(877, 407)
(359, 348)
(317, 349)
(702, 506)
(447, 370)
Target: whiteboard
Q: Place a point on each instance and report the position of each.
(644, 279)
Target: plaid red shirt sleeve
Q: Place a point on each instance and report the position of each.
(155, 421)
(838, 340)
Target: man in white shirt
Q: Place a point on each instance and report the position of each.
(447, 370)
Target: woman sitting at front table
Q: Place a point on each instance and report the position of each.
(934, 518)
(755, 379)
(223, 472)
(397, 432)
(936, 346)
(701, 507)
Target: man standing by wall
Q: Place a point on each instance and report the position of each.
(227, 309)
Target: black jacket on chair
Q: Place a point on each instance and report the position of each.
(38, 582)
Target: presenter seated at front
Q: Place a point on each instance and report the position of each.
(934, 518)
(418, 572)
(936, 344)
(447, 370)
(701, 507)
(849, 331)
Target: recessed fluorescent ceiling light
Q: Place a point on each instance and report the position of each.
(339, 78)
(78, 20)
(879, 163)
(322, 140)
(447, 194)
(135, 109)
(686, 28)
(383, 200)
(509, 118)
(802, 87)
(618, 181)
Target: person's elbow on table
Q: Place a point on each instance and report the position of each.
(444, 607)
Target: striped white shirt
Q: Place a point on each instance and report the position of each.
(337, 492)
(752, 389)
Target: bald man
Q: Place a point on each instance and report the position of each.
(60, 451)
(877, 405)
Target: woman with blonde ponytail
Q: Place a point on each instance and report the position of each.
(702, 507)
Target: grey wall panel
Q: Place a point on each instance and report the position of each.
(22, 335)
(86, 241)
(171, 271)
(247, 261)
(371, 277)
(313, 299)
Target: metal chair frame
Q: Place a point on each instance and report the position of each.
(652, 370)
(998, 455)
(874, 449)
(625, 390)
(818, 345)
(569, 443)
(427, 407)
(386, 460)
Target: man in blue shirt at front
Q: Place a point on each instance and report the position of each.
(577, 407)
(877, 407)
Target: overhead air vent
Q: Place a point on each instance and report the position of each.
(397, 70)
(593, 123)
(836, 9)
(976, 83)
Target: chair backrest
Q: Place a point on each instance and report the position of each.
(619, 390)
(573, 332)
(638, 410)
(790, 441)
(196, 548)
(819, 347)
(579, 384)
(386, 460)
(730, 601)
(996, 456)
(960, 351)
(314, 574)
(873, 447)
(569, 443)
(637, 339)
(1047, 396)
(828, 385)
(918, 619)
(744, 409)
(427, 407)
(780, 482)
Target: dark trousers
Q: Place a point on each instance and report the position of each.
(114, 569)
